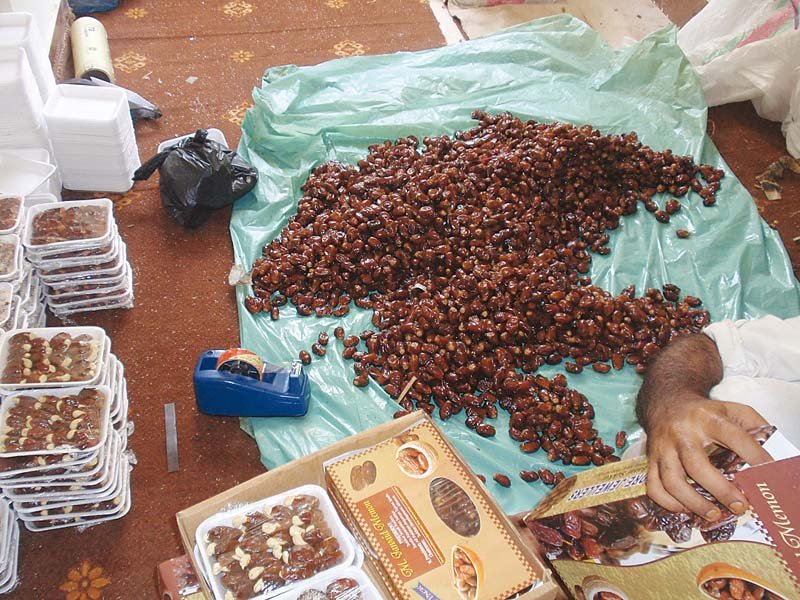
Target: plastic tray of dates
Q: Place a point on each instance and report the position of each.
(344, 583)
(10, 213)
(67, 225)
(52, 357)
(54, 422)
(265, 548)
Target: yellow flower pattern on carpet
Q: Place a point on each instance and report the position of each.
(130, 62)
(348, 48)
(136, 13)
(337, 3)
(237, 8)
(236, 114)
(241, 56)
(86, 583)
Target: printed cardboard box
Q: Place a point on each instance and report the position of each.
(310, 469)
(428, 521)
(607, 540)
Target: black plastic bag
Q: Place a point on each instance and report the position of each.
(198, 175)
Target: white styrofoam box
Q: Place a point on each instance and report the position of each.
(40, 154)
(20, 30)
(21, 176)
(22, 104)
(88, 110)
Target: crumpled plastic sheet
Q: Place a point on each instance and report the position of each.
(551, 69)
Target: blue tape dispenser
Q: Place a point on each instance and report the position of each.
(239, 383)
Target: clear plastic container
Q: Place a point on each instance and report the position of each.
(235, 515)
(101, 223)
(51, 269)
(95, 362)
(363, 588)
(119, 302)
(116, 269)
(76, 255)
(58, 446)
(6, 293)
(10, 259)
(70, 301)
(11, 210)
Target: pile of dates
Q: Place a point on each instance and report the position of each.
(616, 530)
(473, 254)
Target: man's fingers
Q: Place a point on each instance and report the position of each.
(673, 477)
(657, 492)
(700, 469)
(735, 438)
(746, 416)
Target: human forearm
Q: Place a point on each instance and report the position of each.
(688, 367)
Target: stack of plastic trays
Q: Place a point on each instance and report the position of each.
(73, 468)
(21, 122)
(19, 30)
(93, 138)
(79, 256)
(9, 547)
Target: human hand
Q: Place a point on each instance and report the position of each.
(679, 432)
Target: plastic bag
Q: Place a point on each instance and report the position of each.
(745, 50)
(556, 68)
(84, 7)
(198, 176)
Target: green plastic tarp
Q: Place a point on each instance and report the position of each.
(551, 69)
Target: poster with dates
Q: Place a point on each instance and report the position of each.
(430, 523)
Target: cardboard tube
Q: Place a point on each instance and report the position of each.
(90, 51)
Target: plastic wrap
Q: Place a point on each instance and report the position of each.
(551, 69)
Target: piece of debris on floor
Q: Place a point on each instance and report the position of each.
(768, 180)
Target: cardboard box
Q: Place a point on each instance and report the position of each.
(310, 469)
(428, 520)
(607, 540)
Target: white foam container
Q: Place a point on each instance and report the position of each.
(85, 522)
(20, 30)
(6, 293)
(21, 176)
(213, 134)
(22, 103)
(226, 518)
(67, 245)
(96, 333)
(120, 284)
(87, 110)
(14, 271)
(367, 588)
(39, 154)
(50, 268)
(18, 218)
(108, 269)
(123, 302)
(84, 476)
(9, 580)
(117, 185)
(73, 254)
(10, 401)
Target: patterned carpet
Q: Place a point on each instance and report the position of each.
(198, 60)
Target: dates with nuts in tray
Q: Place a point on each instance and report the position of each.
(32, 359)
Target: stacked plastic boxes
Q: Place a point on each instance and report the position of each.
(9, 547)
(21, 293)
(93, 139)
(79, 256)
(63, 458)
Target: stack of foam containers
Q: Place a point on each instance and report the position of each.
(21, 121)
(19, 30)
(22, 302)
(66, 485)
(81, 270)
(92, 136)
